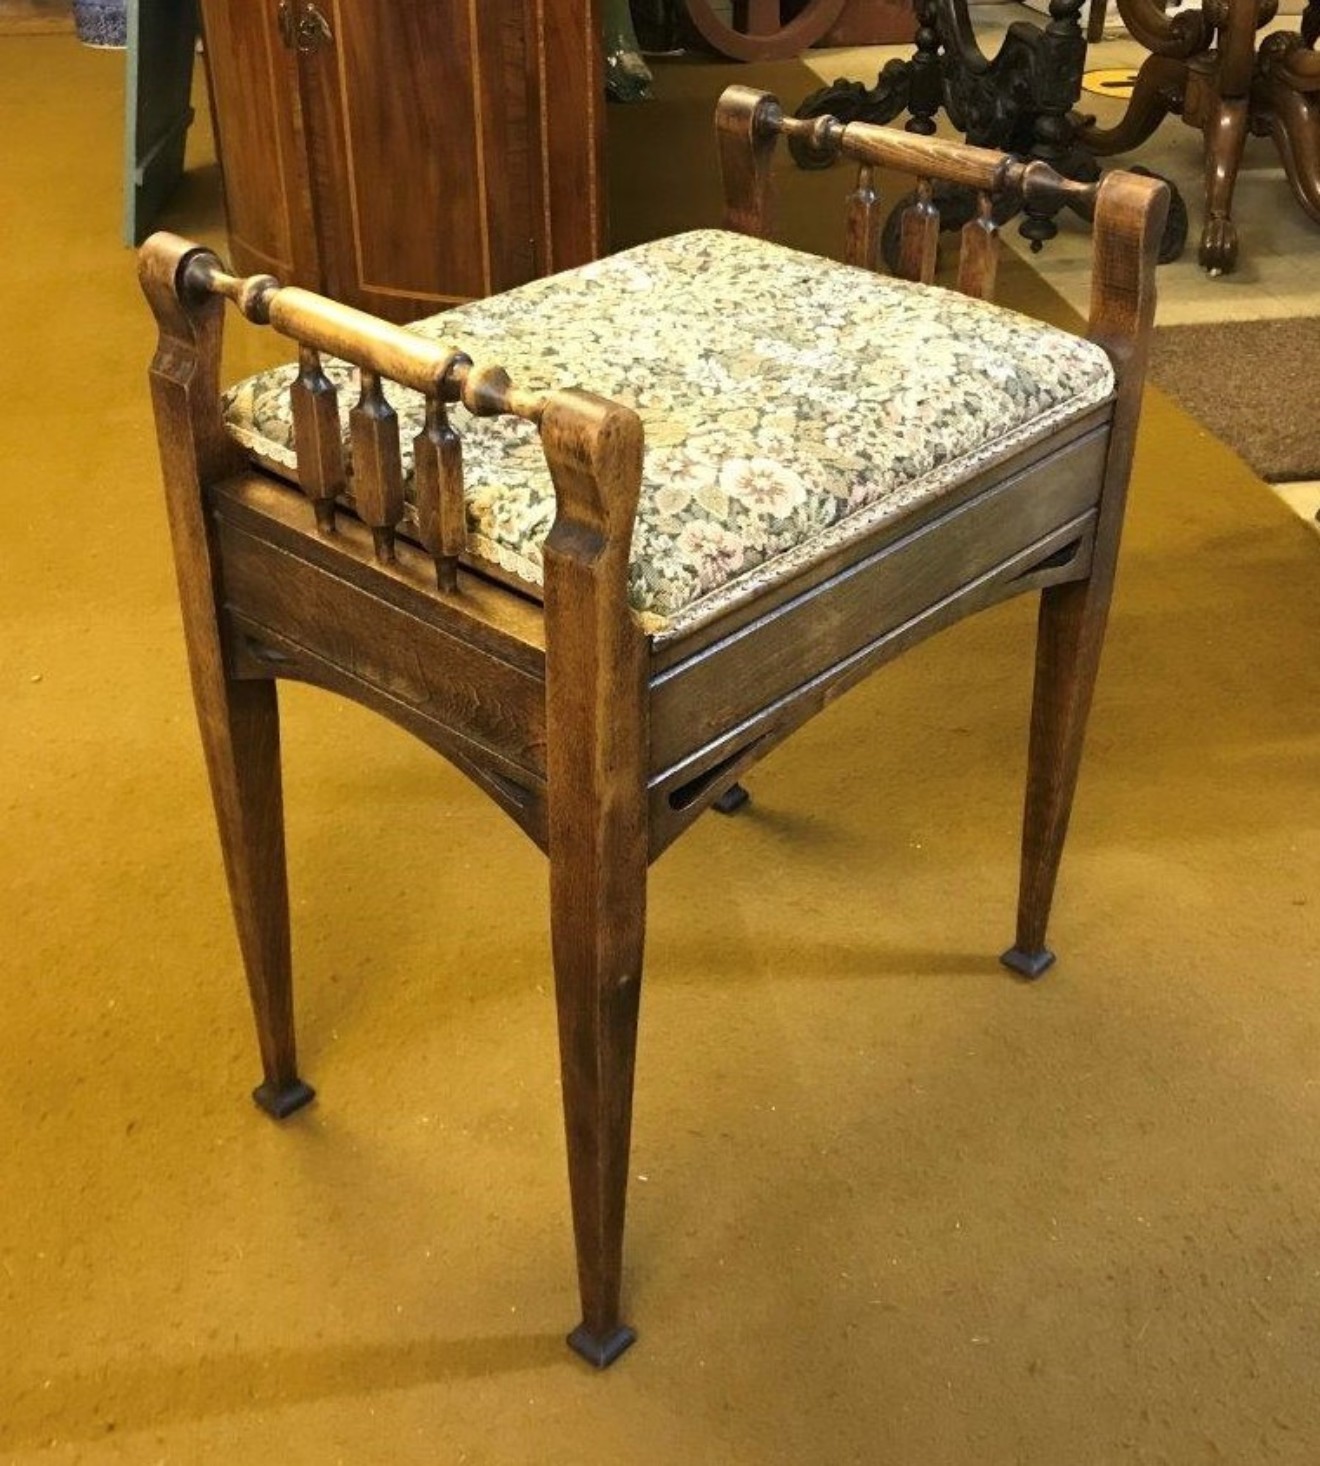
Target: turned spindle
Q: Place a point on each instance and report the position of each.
(978, 256)
(377, 468)
(920, 236)
(486, 391)
(863, 224)
(317, 438)
(438, 491)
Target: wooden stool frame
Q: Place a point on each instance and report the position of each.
(602, 743)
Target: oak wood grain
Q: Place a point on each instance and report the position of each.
(721, 686)
(239, 722)
(604, 744)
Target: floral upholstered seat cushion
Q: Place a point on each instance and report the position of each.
(789, 404)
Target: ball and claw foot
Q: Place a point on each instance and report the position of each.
(732, 800)
(1028, 964)
(281, 1102)
(601, 1352)
(1219, 245)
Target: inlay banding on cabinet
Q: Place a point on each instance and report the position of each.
(422, 154)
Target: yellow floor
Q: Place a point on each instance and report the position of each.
(889, 1206)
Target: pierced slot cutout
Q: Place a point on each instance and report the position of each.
(686, 795)
(1058, 560)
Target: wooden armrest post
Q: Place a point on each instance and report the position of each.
(596, 699)
(1129, 220)
(1130, 212)
(239, 720)
(747, 124)
(185, 371)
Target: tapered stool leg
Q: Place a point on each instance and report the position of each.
(734, 798)
(1069, 638)
(240, 728)
(1129, 221)
(239, 719)
(598, 968)
(596, 754)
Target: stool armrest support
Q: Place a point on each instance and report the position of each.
(593, 447)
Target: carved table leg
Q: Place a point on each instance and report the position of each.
(1295, 126)
(1160, 82)
(1290, 81)
(627, 76)
(925, 80)
(1061, 58)
(1225, 134)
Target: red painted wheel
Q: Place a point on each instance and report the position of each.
(758, 30)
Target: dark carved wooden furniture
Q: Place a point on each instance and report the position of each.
(1021, 100)
(763, 30)
(603, 730)
(769, 30)
(627, 76)
(1209, 67)
(336, 121)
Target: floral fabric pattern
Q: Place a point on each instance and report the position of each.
(789, 404)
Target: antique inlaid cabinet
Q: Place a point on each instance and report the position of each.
(404, 155)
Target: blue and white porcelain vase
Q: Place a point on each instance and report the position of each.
(101, 22)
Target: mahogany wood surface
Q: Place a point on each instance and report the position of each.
(252, 78)
(353, 137)
(602, 742)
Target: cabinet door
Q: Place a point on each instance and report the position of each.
(441, 170)
(253, 80)
(162, 37)
(569, 91)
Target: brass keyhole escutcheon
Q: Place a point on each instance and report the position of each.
(308, 31)
(314, 30)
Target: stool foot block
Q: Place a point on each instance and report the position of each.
(282, 1102)
(732, 800)
(597, 1351)
(1028, 964)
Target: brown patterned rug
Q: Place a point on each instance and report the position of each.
(1253, 384)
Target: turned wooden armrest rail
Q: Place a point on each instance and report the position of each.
(1128, 209)
(576, 427)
